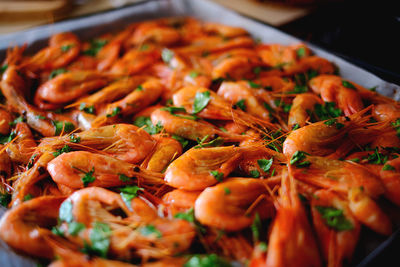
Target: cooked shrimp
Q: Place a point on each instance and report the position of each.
(302, 104)
(391, 179)
(193, 170)
(166, 150)
(238, 91)
(335, 89)
(338, 231)
(45, 123)
(24, 227)
(227, 205)
(291, 242)
(152, 31)
(5, 119)
(386, 112)
(22, 149)
(189, 128)
(339, 176)
(135, 61)
(69, 86)
(321, 65)
(217, 108)
(80, 169)
(368, 212)
(179, 200)
(224, 30)
(5, 169)
(62, 49)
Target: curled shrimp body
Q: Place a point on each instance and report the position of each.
(135, 61)
(62, 49)
(337, 244)
(333, 89)
(12, 86)
(69, 169)
(67, 87)
(179, 200)
(5, 169)
(238, 91)
(166, 150)
(391, 181)
(386, 112)
(368, 212)
(321, 65)
(226, 205)
(113, 91)
(236, 67)
(141, 97)
(278, 55)
(22, 149)
(339, 176)
(224, 30)
(218, 108)
(5, 119)
(301, 104)
(24, 227)
(189, 129)
(291, 242)
(193, 170)
(154, 32)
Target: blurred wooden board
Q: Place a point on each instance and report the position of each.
(273, 13)
(17, 22)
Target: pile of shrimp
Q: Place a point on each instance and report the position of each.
(177, 142)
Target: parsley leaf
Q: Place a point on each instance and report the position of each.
(167, 55)
(297, 159)
(254, 85)
(334, 218)
(256, 226)
(100, 240)
(88, 177)
(74, 139)
(87, 109)
(7, 138)
(265, 164)
(388, 167)
(3, 68)
(5, 199)
(201, 101)
(61, 125)
(187, 216)
(334, 122)
(95, 46)
(150, 230)
(217, 175)
(114, 112)
(348, 85)
(210, 260)
(193, 74)
(17, 120)
(172, 110)
(326, 111)
(57, 72)
(66, 48)
(65, 212)
(213, 143)
(377, 158)
(145, 122)
(255, 173)
(181, 140)
(74, 228)
(227, 190)
(128, 193)
(64, 149)
(241, 104)
(301, 52)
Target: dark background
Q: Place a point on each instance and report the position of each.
(366, 33)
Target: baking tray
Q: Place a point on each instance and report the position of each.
(91, 26)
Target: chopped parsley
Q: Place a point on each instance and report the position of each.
(88, 177)
(128, 193)
(5, 199)
(74, 228)
(227, 190)
(265, 164)
(28, 197)
(201, 101)
(87, 109)
(57, 72)
(3, 68)
(65, 212)
(285, 107)
(181, 140)
(95, 46)
(348, 85)
(388, 167)
(64, 149)
(326, 111)
(301, 52)
(99, 239)
(193, 74)
(334, 122)
(241, 104)
(211, 260)
(298, 89)
(139, 88)
(217, 175)
(254, 85)
(62, 126)
(149, 127)
(254, 173)
(187, 216)
(213, 143)
(7, 138)
(256, 227)
(74, 139)
(167, 55)
(66, 48)
(144, 47)
(334, 218)
(150, 230)
(16, 121)
(377, 158)
(115, 112)
(172, 110)
(298, 158)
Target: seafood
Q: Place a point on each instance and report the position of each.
(178, 142)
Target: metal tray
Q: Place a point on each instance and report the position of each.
(91, 26)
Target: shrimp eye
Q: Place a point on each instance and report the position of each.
(347, 118)
(41, 170)
(234, 106)
(136, 169)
